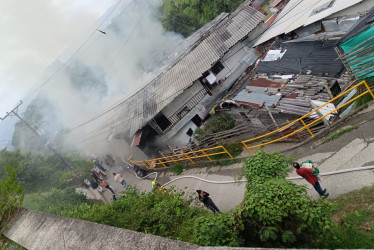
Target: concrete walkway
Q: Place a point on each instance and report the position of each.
(351, 150)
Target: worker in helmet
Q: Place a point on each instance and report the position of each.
(157, 187)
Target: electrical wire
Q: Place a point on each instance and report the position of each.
(74, 54)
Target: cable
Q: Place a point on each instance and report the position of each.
(288, 178)
(32, 92)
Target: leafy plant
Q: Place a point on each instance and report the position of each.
(265, 166)
(217, 230)
(215, 125)
(276, 210)
(187, 16)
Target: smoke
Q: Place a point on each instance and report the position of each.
(128, 51)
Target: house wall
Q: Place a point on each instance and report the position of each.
(181, 137)
(181, 99)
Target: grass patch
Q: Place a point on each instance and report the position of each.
(354, 217)
(234, 148)
(339, 133)
(363, 100)
(178, 168)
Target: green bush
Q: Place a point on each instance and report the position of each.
(187, 16)
(163, 213)
(266, 166)
(277, 211)
(217, 230)
(56, 200)
(40, 172)
(215, 125)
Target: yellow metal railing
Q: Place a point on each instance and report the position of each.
(187, 156)
(140, 163)
(304, 125)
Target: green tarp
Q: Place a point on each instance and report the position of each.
(364, 67)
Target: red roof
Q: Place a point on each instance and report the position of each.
(275, 3)
(270, 20)
(249, 104)
(255, 6)
(265, 83)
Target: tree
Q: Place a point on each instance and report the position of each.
(187, 16)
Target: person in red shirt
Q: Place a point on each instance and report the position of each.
(306, 173)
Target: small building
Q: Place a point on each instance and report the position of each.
(169, 107)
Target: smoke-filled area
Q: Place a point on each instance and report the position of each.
(122, 55)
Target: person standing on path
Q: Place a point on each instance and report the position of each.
(106, 185)
(208, 202)
(93, 185)
(119, 178)
(307, 174)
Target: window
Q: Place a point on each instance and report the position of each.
(161, 120)
(218, 67)
(189, 132)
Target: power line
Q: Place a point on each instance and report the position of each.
(32, 92)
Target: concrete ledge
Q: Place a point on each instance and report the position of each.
(37, 230)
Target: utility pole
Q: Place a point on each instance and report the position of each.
(68, 164)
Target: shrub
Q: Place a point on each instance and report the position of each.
(265, 166)
(215, 125)
(277, 211)
(217, 230)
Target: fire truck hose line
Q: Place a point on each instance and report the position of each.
(288, 178)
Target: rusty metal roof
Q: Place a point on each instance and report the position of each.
(226, 31)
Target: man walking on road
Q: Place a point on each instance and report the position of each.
(204, 198)
(119, 178)
(306, 173)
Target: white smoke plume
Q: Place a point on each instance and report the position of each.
(125, 52)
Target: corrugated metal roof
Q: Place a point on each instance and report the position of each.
(298, 13)
(218, 38)
(257, 98)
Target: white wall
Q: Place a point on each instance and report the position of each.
(181, 137)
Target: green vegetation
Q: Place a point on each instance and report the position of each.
(11, 197)
(274, 212)
(339, 133)
(187, 16)
(363, 100)
(215, 125)
(354, 218)
(43, 172)
(178, 168)
(234, 148)
(56, 200)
